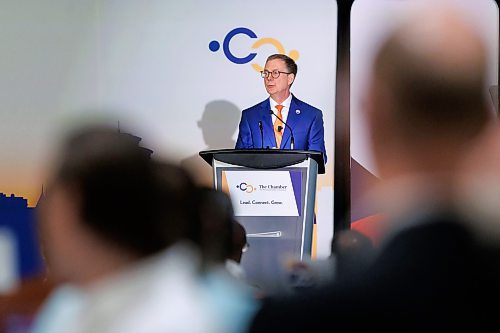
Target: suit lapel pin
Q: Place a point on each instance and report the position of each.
(297, 111)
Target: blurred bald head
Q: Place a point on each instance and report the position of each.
(428, 87)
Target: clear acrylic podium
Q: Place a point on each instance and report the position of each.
(273, 194)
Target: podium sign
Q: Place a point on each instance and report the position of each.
(271, 193)
(273, 196)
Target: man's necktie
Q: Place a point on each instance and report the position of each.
(278, 126)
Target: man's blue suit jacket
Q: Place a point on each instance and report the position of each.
(305, 120)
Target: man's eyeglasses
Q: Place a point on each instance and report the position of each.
(275, 74)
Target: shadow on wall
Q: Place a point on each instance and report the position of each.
(218, 123)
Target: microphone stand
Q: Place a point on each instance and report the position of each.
(261, 135)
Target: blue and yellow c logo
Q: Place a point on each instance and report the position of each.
(214, 46)
(246, 187)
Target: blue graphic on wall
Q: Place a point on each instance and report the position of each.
(20, 220)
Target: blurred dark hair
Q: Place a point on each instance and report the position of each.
(238, 241)
(214, 232)
(123, 194)
(434, 99)
(354, 252)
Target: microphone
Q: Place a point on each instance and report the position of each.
(261, 135)
(280, 128)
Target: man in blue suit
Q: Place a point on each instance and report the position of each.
(261, 128)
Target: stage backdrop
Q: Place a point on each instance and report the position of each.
(176, 73)
(371, 20)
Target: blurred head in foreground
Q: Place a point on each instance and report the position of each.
(426, 107)
(239, 243)
(108, 204)
(214, 232)
(426, 101)
(353, 252)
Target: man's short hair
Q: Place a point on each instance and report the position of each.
(290, 63)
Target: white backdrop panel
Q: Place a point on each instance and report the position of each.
(147, 64)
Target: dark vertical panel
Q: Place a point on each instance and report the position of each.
(498, 6)
(496, 101)
(342, 154)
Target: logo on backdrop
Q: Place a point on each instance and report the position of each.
(246, 187)
(214, 46)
